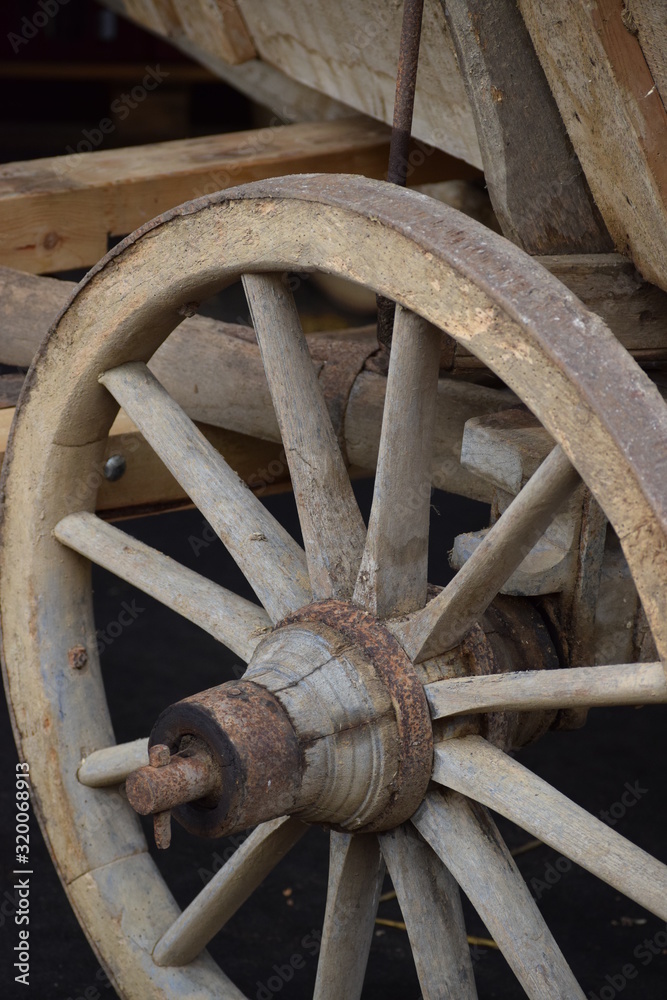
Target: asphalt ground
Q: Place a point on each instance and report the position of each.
(270, 948)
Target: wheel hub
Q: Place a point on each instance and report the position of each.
(329, 723)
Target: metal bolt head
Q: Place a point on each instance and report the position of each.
(158, 755)
(77, 657)
(114, 467)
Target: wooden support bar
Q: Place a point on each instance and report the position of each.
(147, 486)
(614, 116)
(537, 188)
(634, 310)
(214, 370)
(57, 212)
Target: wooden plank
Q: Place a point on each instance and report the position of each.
(535, 181)
(476, 768)
(289, 100)
(611, 286)
(647, 19)
(614, 116)
(159, 16)
(350, 52)
(57, 212)
(213, 26)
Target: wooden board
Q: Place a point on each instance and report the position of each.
(608, 284)
(57, 212)
(289, 100)
(349, 51)
(147, 485)
(647, 20)
(615, 118)
(535, 181)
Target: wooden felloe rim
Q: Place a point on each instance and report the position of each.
(444, 270)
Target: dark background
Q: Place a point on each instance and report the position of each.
(60, 83)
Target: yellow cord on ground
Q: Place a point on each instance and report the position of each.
(400, 926)
(530, 845)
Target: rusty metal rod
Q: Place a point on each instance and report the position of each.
(184, 779)
(404, 101)
(401, 130)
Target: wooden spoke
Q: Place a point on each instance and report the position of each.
(356, 871)
(619, 684)
(446, 619)
(466, 839)
(112, 765)
(478, 769)
(227, 891)
(393, 574)
(268, 556)
(431, 906)
(331, 523)
(237, 623)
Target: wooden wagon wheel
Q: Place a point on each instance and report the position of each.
(610, 425)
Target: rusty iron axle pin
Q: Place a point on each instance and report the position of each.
(169, 781)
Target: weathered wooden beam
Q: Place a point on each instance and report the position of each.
(147, 486)
(608, 284)
(215, 372)
(57, 212)
(535, 181)
(647, 19)
(615, 117)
